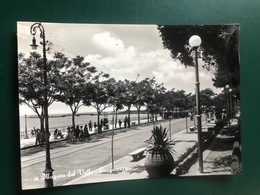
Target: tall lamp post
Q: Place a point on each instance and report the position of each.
(48, 169)
(230, 103)
(228, 108)
(235, 104)
(112, 141)
(195, 42)
(170, 127)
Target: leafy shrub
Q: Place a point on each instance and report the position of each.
(184, 167)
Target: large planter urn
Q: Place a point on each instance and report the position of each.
(159, 161)
(159, 164)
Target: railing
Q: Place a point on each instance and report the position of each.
(63, 129)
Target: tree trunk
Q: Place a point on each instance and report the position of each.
(115, 119)
(73, 120)
(138, 113)
(98, 122)
(148, 117)
(128, 122)
(41, 122)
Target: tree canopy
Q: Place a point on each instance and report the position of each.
(31, 88)
(75, 83)
(71, 79)
(219, 49)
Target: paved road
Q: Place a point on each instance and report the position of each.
(67, 161)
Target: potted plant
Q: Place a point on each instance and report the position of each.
(159, 161)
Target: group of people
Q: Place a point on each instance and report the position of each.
(40, 137)
(57, 134)
(78, 132)
(126, 122)
(103, 124)
(34, 131)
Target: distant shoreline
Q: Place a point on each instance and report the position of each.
(88, 113)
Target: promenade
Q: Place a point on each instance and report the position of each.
(91, 162)
(69, 158)
(126, 169)
(216, 160)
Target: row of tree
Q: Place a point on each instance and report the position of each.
(76, 83)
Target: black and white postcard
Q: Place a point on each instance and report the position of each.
(109, 102)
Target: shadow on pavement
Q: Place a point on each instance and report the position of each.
(36, 149)
(136, 169)
(223, 144)
(140, 158)
(222, 162)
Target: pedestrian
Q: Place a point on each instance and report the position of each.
(120, 123)
(32, 133)
(81, 133)
(95, 126)
(102, 123)
(125, 122)
(59, 134)
(76, 132)
(90, 125)
(85, 128)
(55, 134)
(86, 132)
(81, 128)
(106, 121)
(68, 135)
(38, 137)
(128, 121)
(72, 131)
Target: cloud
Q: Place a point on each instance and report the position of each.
(205, 76)
(107, 42)
(126, 62)
(93, 58)
(170, 70)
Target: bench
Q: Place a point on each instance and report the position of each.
(192, 128)
(61, 136)
(137, 154)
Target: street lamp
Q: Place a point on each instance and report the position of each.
(48, 169)
(235, 103)
(170, 127)
(228, 111)
(230, 98)
(112, 141)
(195, 42)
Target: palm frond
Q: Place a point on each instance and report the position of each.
(159, 141)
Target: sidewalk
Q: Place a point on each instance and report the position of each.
(217, 156)
(215, 162)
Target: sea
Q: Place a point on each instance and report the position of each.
(63, 121)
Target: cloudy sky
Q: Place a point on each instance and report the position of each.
(123, 51)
